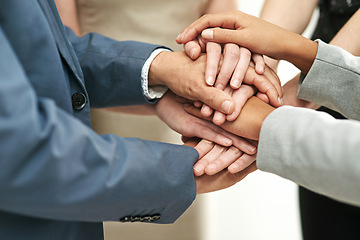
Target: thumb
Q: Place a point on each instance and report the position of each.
(221, 35)
(192, 49)
(218, 100)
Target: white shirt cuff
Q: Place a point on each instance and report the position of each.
(154, 92)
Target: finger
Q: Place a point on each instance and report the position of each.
(208, 131)
(217, 100)
(198, 104)
(264, 85)
(207, 21)
(241, 67)
(195, 111)
(203, 147)
(240, 96)
(185, 139)
(219, 118)
(241, 143)
(273, 77)
(213, 51)
(240, 164)
(192, 49)
(259, 63)
(208, 158)
(231, 58)
(206, 111)
(182, 100)
(263, 97)
(223, 161)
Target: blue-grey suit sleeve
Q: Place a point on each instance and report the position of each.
(53, 166)
(334, 81)
(112, 69)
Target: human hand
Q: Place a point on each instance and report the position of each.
(254, 34)
(241, 95)
(214, 158)
(234, 65)
(224, 64)
(223, 179)
(290, 95)
(172, 113)
(249, 122)
(186, 78)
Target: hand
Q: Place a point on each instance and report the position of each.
(214, 158)
(290, 95)
(172, 113)
(186, 78)
(241, 95)
(221, 180)
(233, 64)
(254, 34)
(249, 122)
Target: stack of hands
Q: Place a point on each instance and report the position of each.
(226, 91)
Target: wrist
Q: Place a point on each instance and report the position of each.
(158, 69)
(302, 53)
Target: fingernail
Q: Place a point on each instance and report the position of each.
(206, 141)
(208, 34)
(192, 53)
(262, 70)
(179, 37)
(227, 142)
(218, 119)
(210, 80)
(196, 170)
(251, 148)
(226, 106)
(281, 101)
(206, 110)
(235, 83)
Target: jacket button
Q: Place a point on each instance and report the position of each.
(78, 101)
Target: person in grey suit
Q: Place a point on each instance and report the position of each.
(289, 136)
(58, 178)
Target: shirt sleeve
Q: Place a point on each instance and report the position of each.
(154, 92)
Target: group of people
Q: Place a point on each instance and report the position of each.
(60, 179)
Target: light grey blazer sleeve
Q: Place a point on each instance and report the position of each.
(334, 81)
(314, 150)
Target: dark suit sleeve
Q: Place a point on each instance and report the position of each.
(53, 166)
(112, 69)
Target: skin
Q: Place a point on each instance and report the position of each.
(255, 34)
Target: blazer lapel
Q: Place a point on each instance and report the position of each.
(64, 46)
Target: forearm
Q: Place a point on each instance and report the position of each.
(347, 37)
(250, 120)
(293, 15)
(217, 6)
